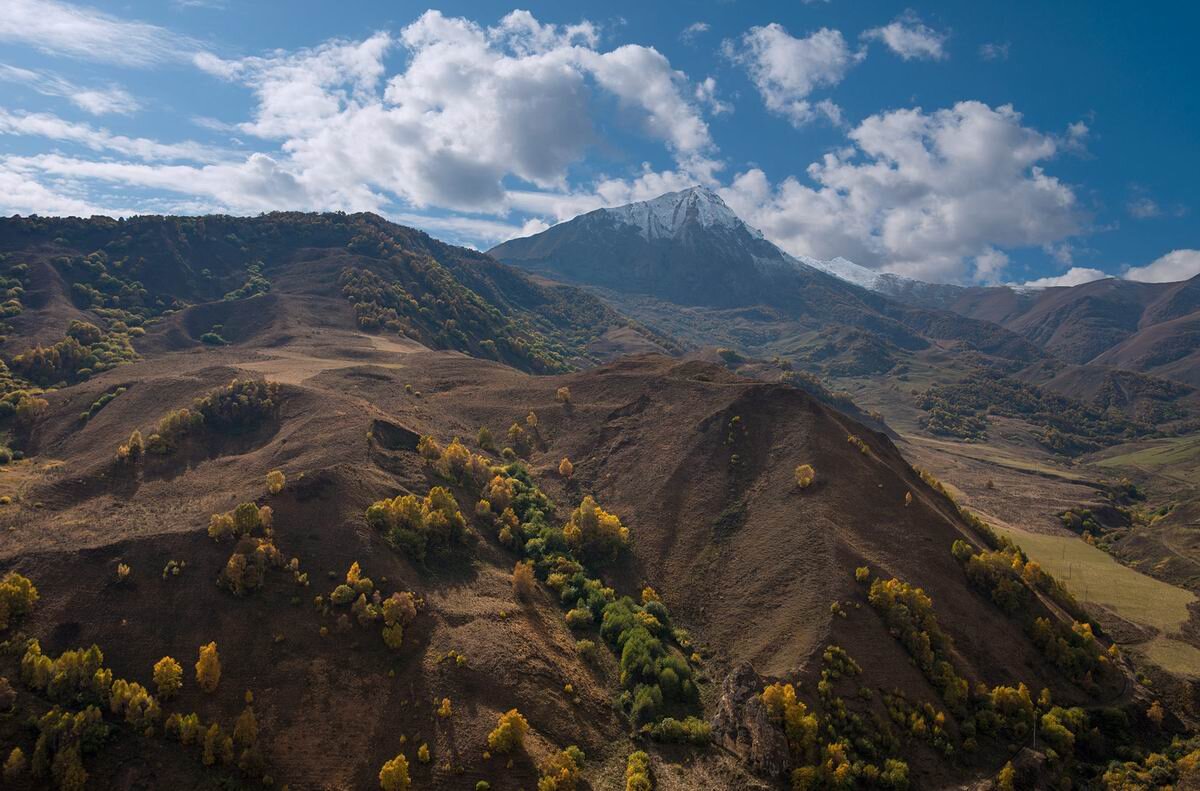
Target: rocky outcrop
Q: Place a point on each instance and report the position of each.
(741, 724)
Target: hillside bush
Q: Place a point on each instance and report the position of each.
(562, 771)
(509, 733)
(523, 580)
(805, 475)
(637, 772)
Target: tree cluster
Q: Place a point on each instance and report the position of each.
(421, 526)
(368, 606)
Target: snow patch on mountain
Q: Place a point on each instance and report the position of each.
(849, 271)
(664, 216)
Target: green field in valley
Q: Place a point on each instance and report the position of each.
(1094, 577)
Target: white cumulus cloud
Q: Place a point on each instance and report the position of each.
(787, 70)
(474, 120)
(910, 38)
(1075, 276)
(920, 194)
(1175, 265)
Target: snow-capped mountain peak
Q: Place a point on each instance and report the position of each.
(664, 216)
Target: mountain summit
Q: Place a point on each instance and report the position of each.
(668, 215)
(690, 249)
(687, 247)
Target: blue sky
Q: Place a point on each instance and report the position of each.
(965, 142)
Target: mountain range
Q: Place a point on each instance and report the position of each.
(377, 496)
(685, 263)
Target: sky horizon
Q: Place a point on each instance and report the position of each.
(947, 142)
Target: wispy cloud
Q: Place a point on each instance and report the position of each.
(994, 50)
(60, 28)
(691, 31)
(52, 127)
(97, 101)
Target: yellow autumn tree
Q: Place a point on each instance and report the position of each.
(17, 597)
(208, 668)
(522, 579)
(595, 532)
(509, 733)
(168, 677)
(394, 774)
(565, 468)
(133, 450)
(14, 767)
(275, 481)
(805, 475)
(1007, 779)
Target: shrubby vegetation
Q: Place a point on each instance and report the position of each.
(805, 475)
(256, 283)
(562, 771)
(84, 351)
(1066, 425)
(690, 730)
(424, 301)
(254, 553)
(1010, 579)
(241, 406)
(421, 526)
(509, 733)
(638, 776)
(654, 677)
(595, 533)
(368, 605)
(17, 597)
(393, 775)
(78, 679)
(104, 400)
(110, 286)
(908, 612)
(1177, 766)
(835, 747)
(13, 283)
